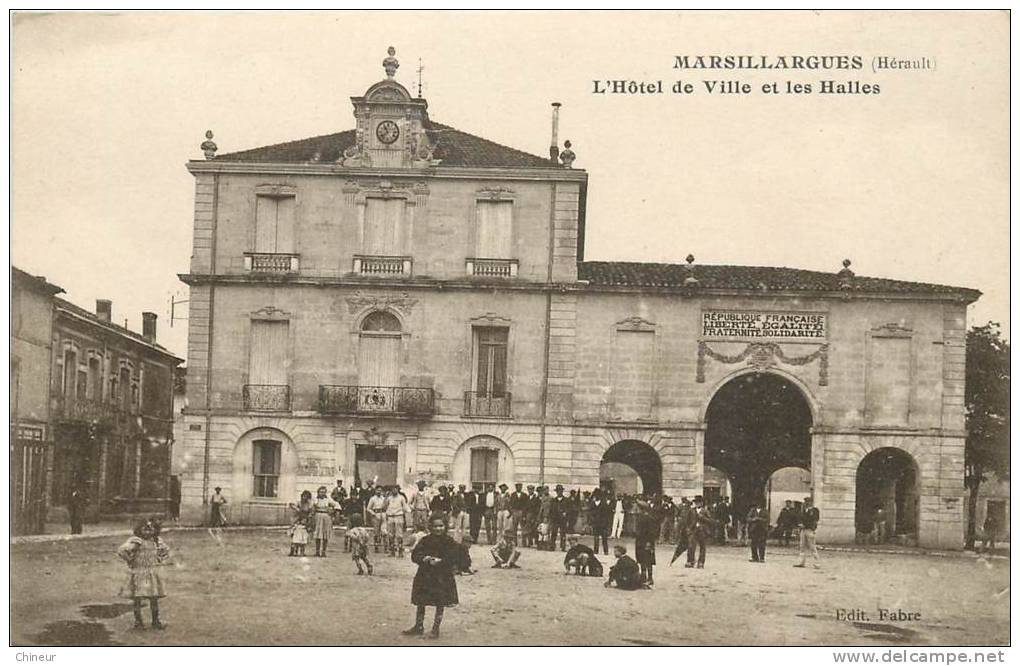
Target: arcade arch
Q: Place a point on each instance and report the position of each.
(757, 423)
(888, 478)
(631, 466)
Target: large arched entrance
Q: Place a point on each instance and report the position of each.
(631, 467)
(756, 424)
(887, 478)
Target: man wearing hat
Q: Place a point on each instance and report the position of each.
(699, 528)
(809, 518)
(532, 508)
(518, 505)
(502, 509)
(474, 506)
(489, 512)
(558, 519)
(420, 508)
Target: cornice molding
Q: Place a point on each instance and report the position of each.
(422, 283)
(550, 174)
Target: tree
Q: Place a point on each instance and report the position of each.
(987, 404)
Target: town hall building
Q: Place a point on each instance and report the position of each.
(404, 300)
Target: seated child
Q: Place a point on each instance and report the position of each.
(625, 572)
(581, 558)
(505, 552)
(360, 536)
(543, 537)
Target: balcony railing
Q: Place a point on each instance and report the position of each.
(85, 409)
(486, 405)
(378, 265)
(270, 262)
(411, 401)
(266, 398)
(493, 268)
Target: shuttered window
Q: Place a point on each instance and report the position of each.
(274, 224)
(484, 466)
(491, 351)
(379, 351)
(494, 226)
(382, 227)
(267, 363)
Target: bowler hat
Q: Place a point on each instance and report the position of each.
(503, 486)
(559, 487)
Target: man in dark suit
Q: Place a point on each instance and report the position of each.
(600, 513)
(558, 519)
(531, 513)
(474, 508)
(699, 527)
(518, 507)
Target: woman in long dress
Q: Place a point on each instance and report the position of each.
(324, 508)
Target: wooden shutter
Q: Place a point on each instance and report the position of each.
(493, 233)
(492, 360)
(267, 362)
(484, 465)
(382, 222)
(378, 360)
(274, 224)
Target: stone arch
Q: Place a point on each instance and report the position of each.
(888, 477)
(460, 469)
(641, 457)
(242, 477)
(757, 422)
(358, 321)
(809, 397)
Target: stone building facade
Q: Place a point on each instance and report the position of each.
(405, 300)
(31, 437)
(111, 412)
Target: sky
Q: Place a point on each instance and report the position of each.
(910, 183)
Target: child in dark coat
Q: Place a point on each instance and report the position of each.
(438, 557)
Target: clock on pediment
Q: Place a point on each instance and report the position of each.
(391, 126)
(387, 132)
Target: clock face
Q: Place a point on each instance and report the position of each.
(387, 131)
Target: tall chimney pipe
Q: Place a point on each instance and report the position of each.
(554, 145)
(104, 309)
(149, 326)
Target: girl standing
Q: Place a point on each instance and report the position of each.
(143, 553)
(437, 557)
(324, 508)
(303, 514)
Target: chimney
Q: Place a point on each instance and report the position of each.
(554, 145)
(149, 326)
(104, 309)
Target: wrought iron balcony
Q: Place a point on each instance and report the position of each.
(380, 265)
(492, 268)
(476, 404)
(85, 409)
(271, 262)
(266, 398)
(367, 400)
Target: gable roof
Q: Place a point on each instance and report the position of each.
(91, 318)
(35, 282)
(754, 278)
(454, 147)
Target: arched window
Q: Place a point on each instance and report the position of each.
(379, 351)
(380, 322)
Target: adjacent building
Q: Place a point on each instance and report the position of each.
(406, 300)
(31, 437)
(91, 408)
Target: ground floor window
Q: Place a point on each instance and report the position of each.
(266, 467)
(484, 466)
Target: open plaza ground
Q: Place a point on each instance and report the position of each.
(240, 588)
